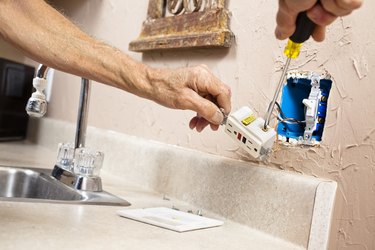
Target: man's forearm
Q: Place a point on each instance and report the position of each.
(48, 37)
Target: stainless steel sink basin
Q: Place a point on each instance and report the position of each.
(36, 185)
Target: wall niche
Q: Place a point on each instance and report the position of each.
(182, 24)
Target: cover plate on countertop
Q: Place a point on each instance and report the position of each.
(170, 218)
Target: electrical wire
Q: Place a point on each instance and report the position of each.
(284, 119)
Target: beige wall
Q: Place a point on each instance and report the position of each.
(10, 53)
(251, 67)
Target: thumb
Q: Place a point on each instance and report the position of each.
(205, 108)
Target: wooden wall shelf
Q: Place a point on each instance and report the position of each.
(207, 27)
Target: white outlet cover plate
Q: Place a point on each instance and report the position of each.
(170, 219)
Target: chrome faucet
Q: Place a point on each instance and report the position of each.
(77, 166)
(83, 110)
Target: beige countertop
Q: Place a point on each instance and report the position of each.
(59, 226)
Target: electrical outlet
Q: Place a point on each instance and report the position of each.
(248, 131)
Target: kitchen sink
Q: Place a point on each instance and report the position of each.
(37, 185)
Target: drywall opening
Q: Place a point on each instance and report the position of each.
(303, 107)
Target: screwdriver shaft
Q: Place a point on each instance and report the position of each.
(279, 86)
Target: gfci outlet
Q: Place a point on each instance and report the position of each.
(248, 130)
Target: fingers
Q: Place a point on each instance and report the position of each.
(319, 33)
(207, 95)
(286, 25)
(320, 15)
(207, 83)
(323, 14)
(317, 14)
(200, 123)
(287, 15)
(193, 122)
(341, 7)
(205, 108)
(193, 88)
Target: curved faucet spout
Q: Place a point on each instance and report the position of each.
(37, 104)
(42, 71)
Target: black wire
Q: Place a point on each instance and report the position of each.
(280, 110)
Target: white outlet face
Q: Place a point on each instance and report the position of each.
(247, 129)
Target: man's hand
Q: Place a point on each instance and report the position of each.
(194, 88)
(322, 14)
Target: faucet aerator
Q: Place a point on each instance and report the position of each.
(36, 107)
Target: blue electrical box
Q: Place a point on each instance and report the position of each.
(297, 89)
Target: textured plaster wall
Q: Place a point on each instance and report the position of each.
(251, 67)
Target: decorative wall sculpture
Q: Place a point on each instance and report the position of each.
(175, 24)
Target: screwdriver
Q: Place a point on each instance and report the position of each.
(304, 29)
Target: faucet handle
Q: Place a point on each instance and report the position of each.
(88, 162)
(79, 168)
(65, 156)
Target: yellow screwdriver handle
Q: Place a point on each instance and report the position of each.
(304, 28)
